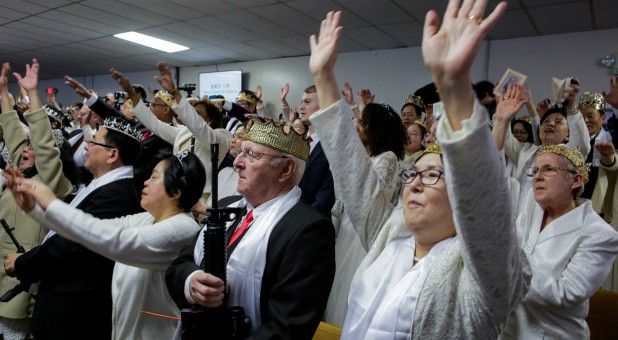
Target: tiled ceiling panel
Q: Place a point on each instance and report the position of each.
(76, 36)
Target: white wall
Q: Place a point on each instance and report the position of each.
(393, 74)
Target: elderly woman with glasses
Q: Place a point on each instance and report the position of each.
(448, 266)
(570, 248)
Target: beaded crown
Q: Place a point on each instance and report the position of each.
(248, 96)
(432, 148)
(420, 122)
(595, 100)
(123, 127)
(166, 97)
(54, 113)
(273, 135)
(415, 100)
(572, 154)
(524, 119)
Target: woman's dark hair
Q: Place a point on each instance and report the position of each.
(128, 147)
(527, 126)
(215, 116)
(184, 173)
(384, 129)
(561, 109)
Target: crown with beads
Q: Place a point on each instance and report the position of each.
(123, 127)
(420, 123)
(59, 137)
(247, 95)
(432, 148)
(595, 100)
(524, 119)
(166, 97)
(54, 113)
(273, 135)
(572, 154)
(415, 100)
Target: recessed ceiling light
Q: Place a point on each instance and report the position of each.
(152, 42)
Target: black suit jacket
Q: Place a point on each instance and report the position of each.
(74, 299)
(299, 272)
(318, 188)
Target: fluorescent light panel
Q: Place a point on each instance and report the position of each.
(152, 42)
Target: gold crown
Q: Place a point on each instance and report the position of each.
(595, 100)
(572, 154)
(206, 101)
(432, 148)
(166, 97)
(415, 100)
(273, 135)
(420, 122)
(246, 95)
(524, 119)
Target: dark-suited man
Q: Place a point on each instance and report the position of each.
(317, 185)
(281, 264)
(74, 296)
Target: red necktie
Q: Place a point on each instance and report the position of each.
(242, 228)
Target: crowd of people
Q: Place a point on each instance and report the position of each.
(474, 221)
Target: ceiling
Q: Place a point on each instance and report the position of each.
(76, 36)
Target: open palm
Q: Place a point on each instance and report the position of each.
(324, 47)
(451, 48)
(31, 80)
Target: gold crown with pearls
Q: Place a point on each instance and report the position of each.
(595, 100)
(572, 154)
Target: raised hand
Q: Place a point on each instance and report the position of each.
(348, 94)
(78, 87)
(365, 96)
(12, 175)
(258, 92)
(612, 96)
(30, 81)
(126, 86)
(325, 46)
(509, 102)
(4, 76)
(284, 93)
(605, 148)
(165, 77)
(293, 114)
(449, 49)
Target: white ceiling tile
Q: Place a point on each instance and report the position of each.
(99, 16)
(11, 14)
(348, 45)
(317, 10)
(408, 34)
(252, 52)
(252, 22)
(276, 47)
(605, 14)
(376, 12)
(571, 17)
(210, 7)
(299, 42)
(222, 52)
(166, 8)
(24, 6)
(288, 17)
(80, 22)
(58, 26)
(225, 29)
(129, 11)
(203, 36)
(540, 3)
(514, 23)
(372, 38)
(50, 3)
(250, 3)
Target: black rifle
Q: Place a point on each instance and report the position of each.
(220, 322)
(22, 286)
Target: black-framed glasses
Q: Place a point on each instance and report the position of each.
(257, 155)
(547, 171)
(427, 177)
(100, 144)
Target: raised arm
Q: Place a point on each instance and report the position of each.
(478, 191)
(509, 103)
(338, 135)
(14, 135)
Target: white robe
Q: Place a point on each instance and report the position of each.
(142, 250)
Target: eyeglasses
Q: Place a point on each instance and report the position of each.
(427, 177)
(257, 155)
(101, 144)
(433, 133)
(547, 171)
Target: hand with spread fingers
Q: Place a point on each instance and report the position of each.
(612, 96)
(509, 103)
(78, 87)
